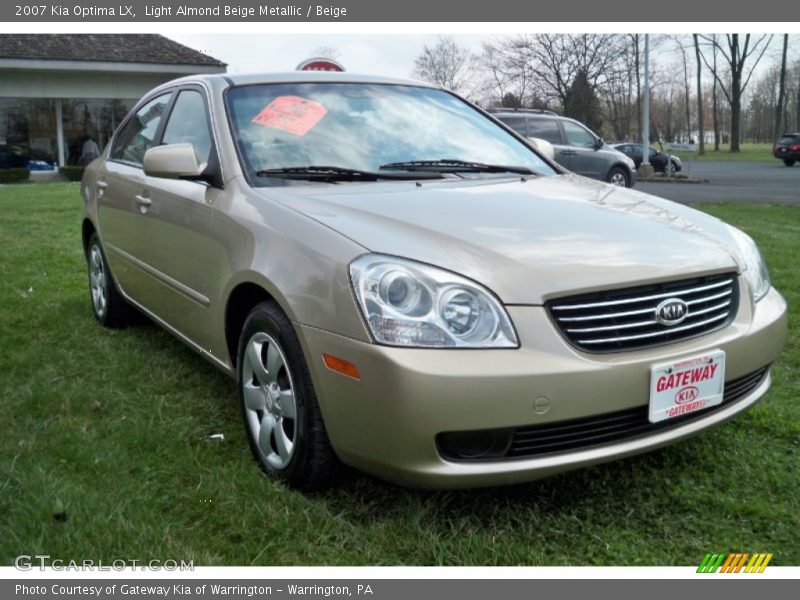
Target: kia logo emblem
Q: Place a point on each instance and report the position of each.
(672, 311)
(687, 394)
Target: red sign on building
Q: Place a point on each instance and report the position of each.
(320, 64)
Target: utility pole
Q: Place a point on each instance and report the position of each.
(646, 169)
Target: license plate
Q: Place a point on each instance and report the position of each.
(686, 386)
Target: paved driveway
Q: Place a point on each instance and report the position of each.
(771, 183)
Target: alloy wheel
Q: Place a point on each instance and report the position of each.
(618, 178)
(269, 400)
(98, 280)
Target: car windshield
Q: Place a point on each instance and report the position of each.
(788, 139)
(365, 127)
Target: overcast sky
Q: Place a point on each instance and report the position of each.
(385, 54)
(391, 55)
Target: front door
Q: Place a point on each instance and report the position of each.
(174, 244)
(584, 158)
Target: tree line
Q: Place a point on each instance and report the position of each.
(718, 90)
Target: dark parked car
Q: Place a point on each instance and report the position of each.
(575, 146)
(11, 157)
(661, 162)
(788, 148)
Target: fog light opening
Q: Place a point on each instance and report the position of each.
(471, 445)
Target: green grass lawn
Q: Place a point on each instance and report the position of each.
(747, 153)
(103, 452)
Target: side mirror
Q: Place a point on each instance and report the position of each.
(544, 147)
(599, 143)
(173, 161)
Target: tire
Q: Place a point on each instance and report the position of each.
(618, 176)
(788, 162)
(280, 412)
(108, 305)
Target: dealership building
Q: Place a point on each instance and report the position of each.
(57, 91)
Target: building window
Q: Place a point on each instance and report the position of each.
(27, 131)
(92, 119)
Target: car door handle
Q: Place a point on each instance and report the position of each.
(143, 201)
(101, 185)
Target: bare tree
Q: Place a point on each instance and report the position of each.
(557, 59)
(687, 105)
(700, 127)
(715, 106)
(779, 107)
(507, 72)
(637, 68)
(621, 92)
(742, 58)
(330, 52)
(797, 105)
(445, 63)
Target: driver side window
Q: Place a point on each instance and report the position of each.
(188, 123)
(577, 135)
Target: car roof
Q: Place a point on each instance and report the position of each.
(521, 111)
(300, 77)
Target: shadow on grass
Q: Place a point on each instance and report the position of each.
(607, 492)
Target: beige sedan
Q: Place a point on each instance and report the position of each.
(400, 283)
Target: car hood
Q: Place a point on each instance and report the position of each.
(527, 240)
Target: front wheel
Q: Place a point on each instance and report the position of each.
(618, 176)
(281, 415)
(788, 162)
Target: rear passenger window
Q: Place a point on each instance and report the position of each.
(139, 133)
(188, 123)
(546, 129)
(516, 123)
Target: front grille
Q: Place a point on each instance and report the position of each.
(619, 320)
(598, 430)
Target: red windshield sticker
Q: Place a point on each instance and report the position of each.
(291, 113)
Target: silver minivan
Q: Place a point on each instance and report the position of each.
(576, 147)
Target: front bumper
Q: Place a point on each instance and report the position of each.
(632, 176)
(386, 423)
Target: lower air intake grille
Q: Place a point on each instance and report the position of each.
(598, 430)
(620, 320)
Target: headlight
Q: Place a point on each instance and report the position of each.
(407, 303)
(755, 272)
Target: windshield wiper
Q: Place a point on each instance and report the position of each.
(327, 173)
(452, 165)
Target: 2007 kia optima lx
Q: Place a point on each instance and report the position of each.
(400, 283)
